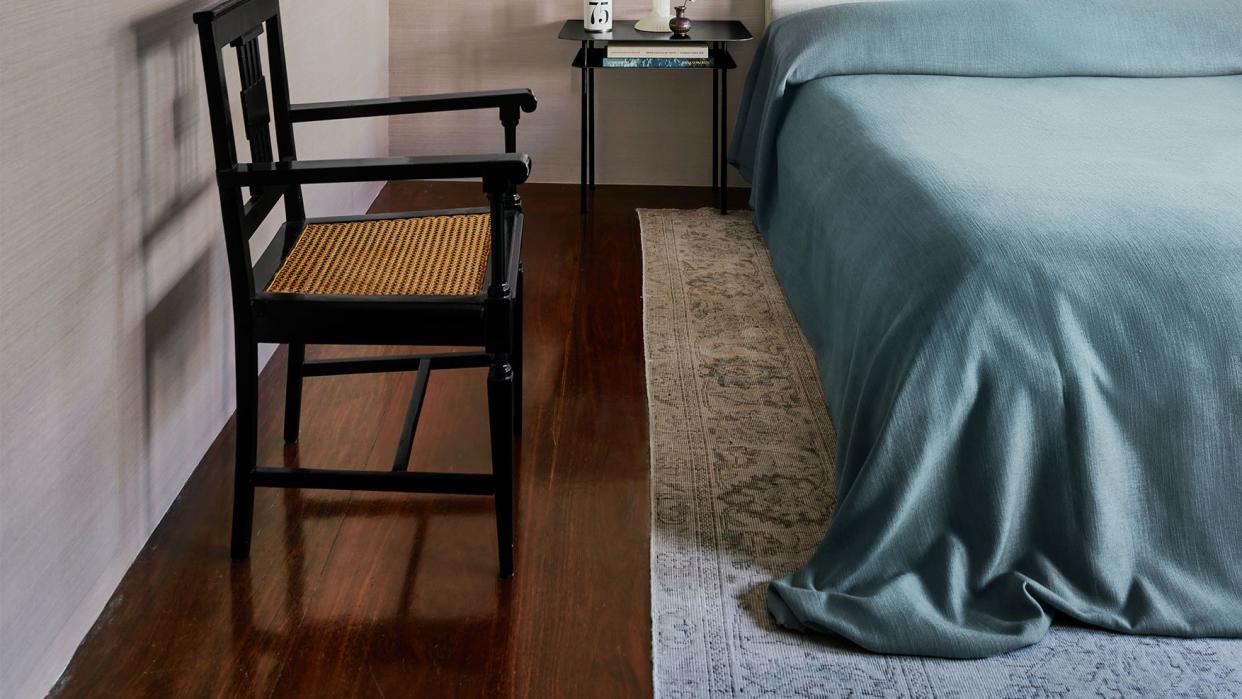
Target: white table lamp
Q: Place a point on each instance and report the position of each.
(657, 21)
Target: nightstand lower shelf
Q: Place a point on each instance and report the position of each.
(590, 59)
(721, 60)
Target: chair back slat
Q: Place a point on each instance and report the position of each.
(256, 116)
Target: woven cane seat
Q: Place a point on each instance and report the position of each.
(420, 256)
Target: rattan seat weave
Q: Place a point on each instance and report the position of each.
(419, 256)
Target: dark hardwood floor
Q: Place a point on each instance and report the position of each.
(364, 594)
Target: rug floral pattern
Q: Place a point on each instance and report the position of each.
(742, 452)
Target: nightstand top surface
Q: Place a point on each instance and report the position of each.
(702, 30)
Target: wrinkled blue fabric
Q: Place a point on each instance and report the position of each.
(1025, 299)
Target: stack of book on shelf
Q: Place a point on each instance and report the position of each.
(657, 55)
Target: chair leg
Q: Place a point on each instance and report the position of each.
(500, 399)
(517, 355)
(247, 445)
(293, 392)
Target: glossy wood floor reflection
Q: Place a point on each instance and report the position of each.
(362, 594)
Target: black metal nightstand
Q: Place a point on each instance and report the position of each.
(716, 34)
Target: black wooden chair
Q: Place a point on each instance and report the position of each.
(449, 278)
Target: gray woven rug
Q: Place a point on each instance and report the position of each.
(742, 489)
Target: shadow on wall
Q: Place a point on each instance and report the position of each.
(186, 349)
(117, 323)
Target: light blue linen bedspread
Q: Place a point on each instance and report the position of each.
(1025, 298)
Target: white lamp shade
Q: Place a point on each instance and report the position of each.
(657, 21)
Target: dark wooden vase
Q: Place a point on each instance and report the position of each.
(679, 25)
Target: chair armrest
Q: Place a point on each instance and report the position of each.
(496, 169)
(388, 106)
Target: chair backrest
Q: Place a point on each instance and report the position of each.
(239, 24)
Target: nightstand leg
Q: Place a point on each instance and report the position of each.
(583, 174)
(591, 145)
(724, 138)
(715, 126)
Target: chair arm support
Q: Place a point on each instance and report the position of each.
(389, 106)
(497, 170)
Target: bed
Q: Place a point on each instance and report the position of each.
(1012, 233)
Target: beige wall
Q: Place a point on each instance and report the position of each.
(653, 127)
(115, 327)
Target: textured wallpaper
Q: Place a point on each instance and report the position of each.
(115, 323)
(652, 127)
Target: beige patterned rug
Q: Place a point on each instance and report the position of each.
(742, 478)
